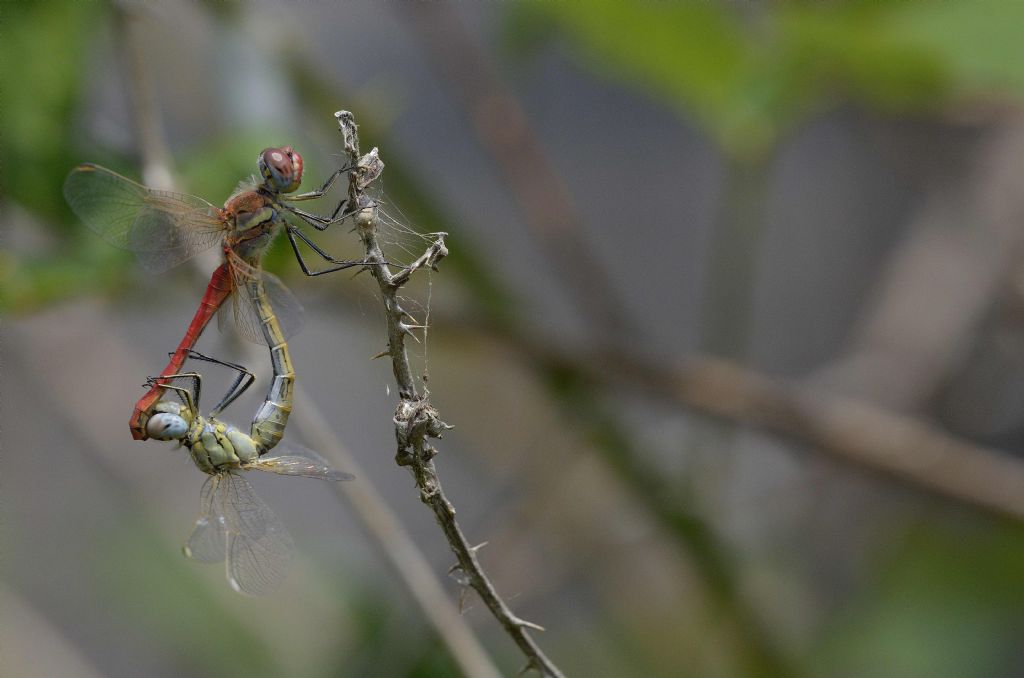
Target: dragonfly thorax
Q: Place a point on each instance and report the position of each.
(254, 233)
(216, 447)
(213, 445)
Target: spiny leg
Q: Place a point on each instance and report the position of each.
(341, 264)
(319, 222)
(319, 193)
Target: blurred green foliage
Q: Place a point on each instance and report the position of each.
(42, 54)
(748, 73)
(41, 96)
(949, 605)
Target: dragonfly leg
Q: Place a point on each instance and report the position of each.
(319, 222)
(191, 397)
(236, 389)
(340, 264)
(319, 193)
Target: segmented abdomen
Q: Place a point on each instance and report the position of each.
(270, 420)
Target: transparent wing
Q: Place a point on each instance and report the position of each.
(174, 388)
(299, 461)
(162, 239)
(162, 228)
(207, 542)
(243, 311)
(259, 549)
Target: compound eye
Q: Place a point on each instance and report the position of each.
(166, 426)
(282, 168)
(296, 160)
(275, 164)
(278, 159)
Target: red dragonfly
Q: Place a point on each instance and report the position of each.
(164, 229)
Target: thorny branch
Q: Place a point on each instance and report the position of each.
(415, 418)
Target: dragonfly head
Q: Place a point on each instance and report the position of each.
(170, 421)
(281, 168)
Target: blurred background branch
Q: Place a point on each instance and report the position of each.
(502, 129)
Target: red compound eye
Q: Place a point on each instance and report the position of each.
(296, 165)
(281, 168)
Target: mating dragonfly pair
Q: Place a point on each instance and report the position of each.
(164, 229)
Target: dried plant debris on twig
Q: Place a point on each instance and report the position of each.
(416, 420)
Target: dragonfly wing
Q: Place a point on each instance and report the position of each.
(286, 307)
(259, 549)
(107, 202)
(207, 542)
(244, 311)
(299, 461)
(162, 227)
(162, 239)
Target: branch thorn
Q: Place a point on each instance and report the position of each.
(530, 666)
(530, 625)
(408, 329)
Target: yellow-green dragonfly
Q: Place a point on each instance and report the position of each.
(235, 526)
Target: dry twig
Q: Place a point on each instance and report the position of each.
(415, 418)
